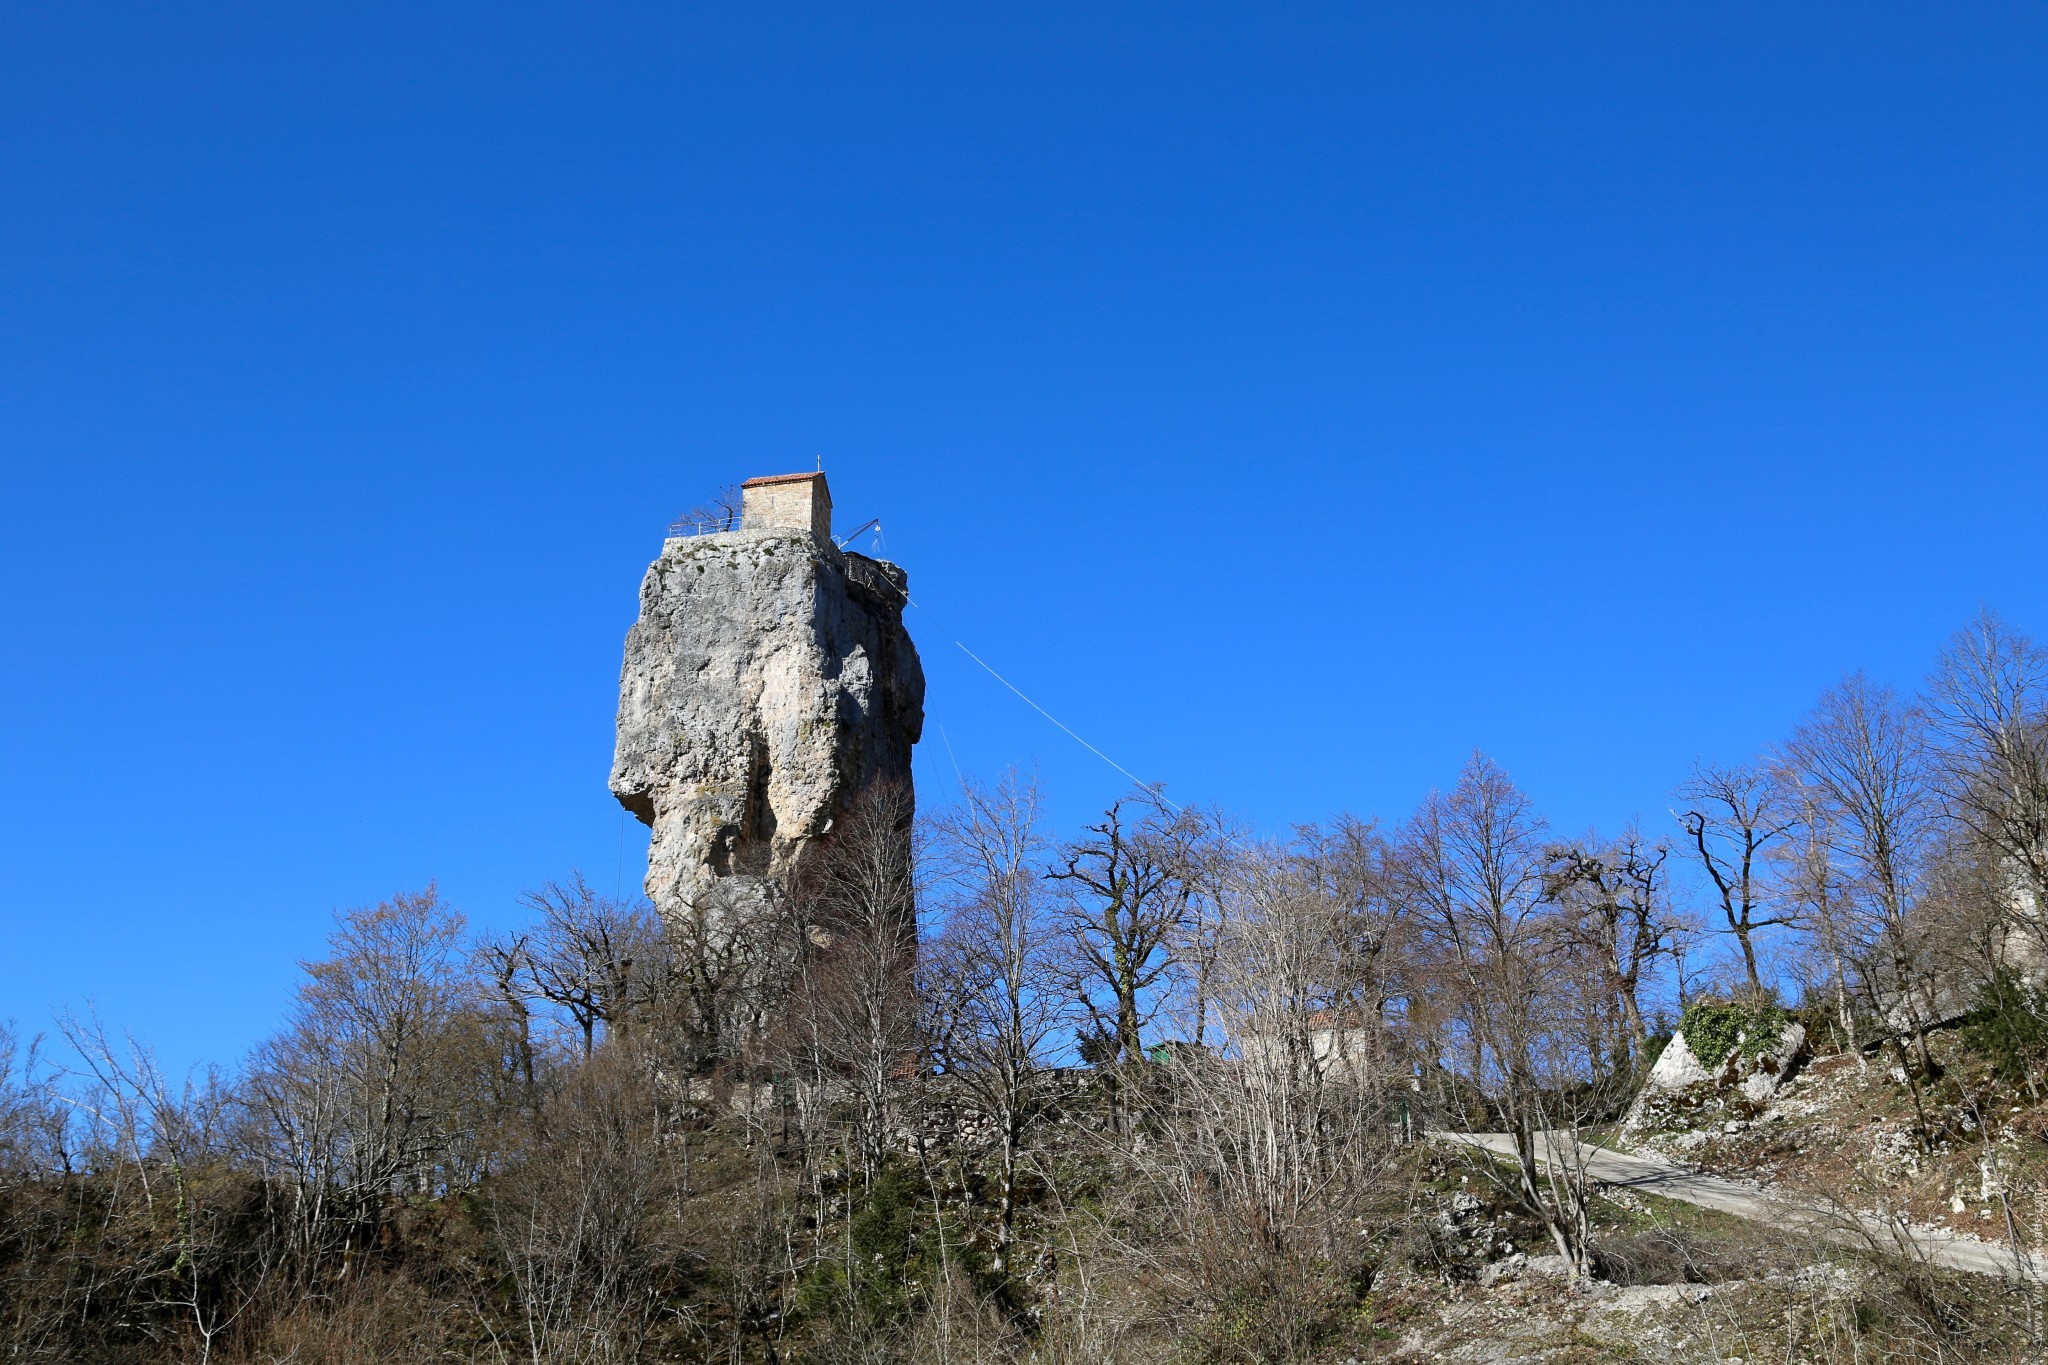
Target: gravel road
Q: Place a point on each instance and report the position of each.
(1654, 1175)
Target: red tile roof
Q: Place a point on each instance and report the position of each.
(779, 478)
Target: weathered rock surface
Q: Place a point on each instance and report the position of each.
(768, 681)
(1765, 1069)
(1677, 1068)
(1681, 1089)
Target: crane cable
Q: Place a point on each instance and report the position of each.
(1149, 788)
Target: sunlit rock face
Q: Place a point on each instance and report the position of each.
(1682, 1090)
(768, 681)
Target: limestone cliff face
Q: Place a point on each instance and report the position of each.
(767, 682)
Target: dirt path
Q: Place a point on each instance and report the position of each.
(1654, 1175)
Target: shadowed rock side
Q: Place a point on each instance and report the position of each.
(768, 681)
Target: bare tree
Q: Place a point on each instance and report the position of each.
(1273, 1160)
(32, 1123)
(1470, 870)
(374, 1085)
(202, 1267)
(579, 1215)
(1863, 759)
(1988, 704)
(1000, 944)
(1506, 987)
(501, 959)
(726, 970)
(720, 512)
(1734, 816)
(853, 1015)
(1349, 865)
(1126, 901)
(1199, 848)
(592, 956)
(1616, 906)
(1806, 869)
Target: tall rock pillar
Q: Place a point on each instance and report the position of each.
(767, 683)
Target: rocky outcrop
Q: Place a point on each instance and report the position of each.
(1681, 1088)
(768, 681)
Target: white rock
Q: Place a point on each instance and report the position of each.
(767, 682)
(1640, 1298)
(1757, 1074)
(1506, 1268)
(1676, 1067)
(1767, 1071)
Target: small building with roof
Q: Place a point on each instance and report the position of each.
(798, 502)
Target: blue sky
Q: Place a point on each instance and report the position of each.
(1290, 398)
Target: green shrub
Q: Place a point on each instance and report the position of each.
(869, 1282)
(1712, 1028)
(2009, 1025)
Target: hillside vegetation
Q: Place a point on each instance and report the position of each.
(1158, 1091)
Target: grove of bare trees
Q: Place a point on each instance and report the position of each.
(969, 1089)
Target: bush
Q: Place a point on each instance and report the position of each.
(2009, 1025)
(872, 1282)
(1713, 1028)
(1663, 1256)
